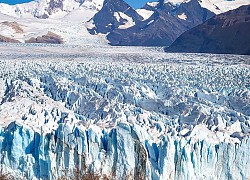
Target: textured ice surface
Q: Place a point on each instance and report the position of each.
(123, 112)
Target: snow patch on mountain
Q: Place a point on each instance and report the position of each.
(129, 20)
(176, 2)
(182, 16)
(145, 13)
(216, 6)
(221, 6)
(152, 4)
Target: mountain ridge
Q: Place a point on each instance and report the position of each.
(225, 33)
(45, 9)
(161, 28)
(115, 22)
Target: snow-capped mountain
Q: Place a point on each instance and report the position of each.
(111, 21)
(50, 8)
(115, 14)
(160, 24)
(44, 21)
(163, 21)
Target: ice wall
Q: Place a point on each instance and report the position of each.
(122, 153)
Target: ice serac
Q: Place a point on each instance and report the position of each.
(120, 153)
(175, 116)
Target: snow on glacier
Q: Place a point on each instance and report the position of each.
(123, 113)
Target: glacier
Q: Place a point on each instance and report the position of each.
(123, 113)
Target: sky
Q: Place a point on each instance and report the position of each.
(133, 3)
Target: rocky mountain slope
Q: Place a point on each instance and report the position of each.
(226, 33)
(165, 24)
(115, 14)
(123, 113)
(162, 22)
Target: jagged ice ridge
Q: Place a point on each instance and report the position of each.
(123, 113)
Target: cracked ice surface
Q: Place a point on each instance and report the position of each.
(127, 112)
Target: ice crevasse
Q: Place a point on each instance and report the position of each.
(153, 121)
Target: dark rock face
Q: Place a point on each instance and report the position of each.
(105, 21)
(44, 16)
(161, 29)
(54, 6)
(14, 25)
(227, 33)
(7, 40)
(49, 38)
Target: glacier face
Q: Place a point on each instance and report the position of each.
(123, 113)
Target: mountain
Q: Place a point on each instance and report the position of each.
(115, 14)
(50, 8)
(50, 21)
(227, 33)
(162, 22)
(85, 22)
(165, 24)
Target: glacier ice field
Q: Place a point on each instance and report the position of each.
(123, 113)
